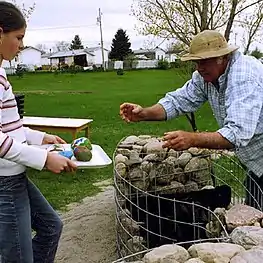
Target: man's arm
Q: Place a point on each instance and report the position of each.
(182, 140)
(211, 140)
(154, 113)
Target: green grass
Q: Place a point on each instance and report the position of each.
(98, 96)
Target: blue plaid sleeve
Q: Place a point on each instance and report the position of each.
(243, 107)
(186, 99)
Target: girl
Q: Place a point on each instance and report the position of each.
(22, 206)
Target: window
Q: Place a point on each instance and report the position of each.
(61, 60)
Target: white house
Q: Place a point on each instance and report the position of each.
(29, 56)
(79, 57)
(171, 57)
(45, 59)
(157, 53)
(97, 52)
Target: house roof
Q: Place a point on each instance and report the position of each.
(30, 47)
(71, 53)
(146, 51)
(46, 55)
(92, 49)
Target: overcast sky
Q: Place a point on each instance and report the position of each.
(61, 20)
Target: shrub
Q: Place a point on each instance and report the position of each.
(163, 64)
(120, 72)
(20, 71)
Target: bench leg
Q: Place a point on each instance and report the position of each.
(87, 132)
(74, 135)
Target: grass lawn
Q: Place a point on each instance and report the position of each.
(98, 96)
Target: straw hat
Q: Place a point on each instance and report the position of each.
(208, 44)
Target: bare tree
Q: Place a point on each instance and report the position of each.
(42, 47)
(252, 25)
(26, 10)
(62, 46)
(184, 18)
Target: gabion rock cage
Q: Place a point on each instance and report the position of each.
(164, 196)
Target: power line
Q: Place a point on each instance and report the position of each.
(60, 27)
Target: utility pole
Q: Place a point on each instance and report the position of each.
(101, 39)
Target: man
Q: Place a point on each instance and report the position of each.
(233, 85)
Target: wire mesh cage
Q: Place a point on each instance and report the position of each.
(164, 196)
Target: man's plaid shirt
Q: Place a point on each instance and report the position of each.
(236, 103)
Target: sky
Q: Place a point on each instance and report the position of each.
(61, 20)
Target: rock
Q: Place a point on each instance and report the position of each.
(142, 184)
(254, 255)
(173, 188)
(200, 172)
(194, 260)
(151, 158)
(213, 229)
(125, 146)
(219, 213)
(145, 137)
(146, 166)
(191, 186)
(172, 161)
(155, 147)
(208, 187)
(216, 226)
(164, 173)
(139, 178)
(124, 152)
(142, 142)
(134, 158)
(257, 224)
(167, 254)
(137, 148)
(130, 140)
(135, 244)
(247, 236)
(124, 213)
(242, 215)
(183, 159)
(215, 252)
(195, 151)
(119, 158)
(120, 168)
(180, 176)
(215, 156)
(136, 173)
(131, 226)
(173, 153)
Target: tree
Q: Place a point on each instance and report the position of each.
(252, 25)
(76, 43)
(42, 47)
(120, 47)
(256, 53)
(182, 19)
(27, 11)
(62, 46)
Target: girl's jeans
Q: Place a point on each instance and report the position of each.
(23, 208)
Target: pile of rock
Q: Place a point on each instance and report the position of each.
(142, 161)
(208, 252)
(238, 215)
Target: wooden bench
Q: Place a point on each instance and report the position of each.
(74, 126)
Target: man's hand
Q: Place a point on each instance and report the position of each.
(182, 140)
(131, 112)
(52, 139)
(179, 140)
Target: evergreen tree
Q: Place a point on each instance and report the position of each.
(120, 47)
(256, 53)
(76, 43)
